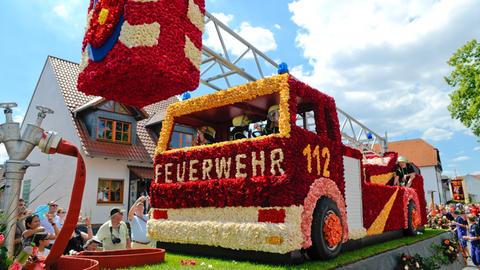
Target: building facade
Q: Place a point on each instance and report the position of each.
(117, 142)
(427, 159)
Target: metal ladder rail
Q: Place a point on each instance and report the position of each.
(353, 132)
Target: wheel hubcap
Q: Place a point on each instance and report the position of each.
(332, 230)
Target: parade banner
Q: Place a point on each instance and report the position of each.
(458, 192)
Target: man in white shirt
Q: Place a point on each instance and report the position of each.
(114, 233)
(138, 224)
(45, 222)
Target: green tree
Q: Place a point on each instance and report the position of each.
(465, 99)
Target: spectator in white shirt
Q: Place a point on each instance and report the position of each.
(138, 224)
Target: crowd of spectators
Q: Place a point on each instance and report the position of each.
(36, 232)
(463, 221)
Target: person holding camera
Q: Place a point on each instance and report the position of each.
(138, 224)
(114, 233)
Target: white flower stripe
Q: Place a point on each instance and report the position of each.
(192, 53)
(84, 61)
(195, 15)
(230, 214)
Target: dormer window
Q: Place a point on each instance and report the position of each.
(112, 106)
(114, 131)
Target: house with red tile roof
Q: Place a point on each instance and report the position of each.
(117, 142)
(427, 158)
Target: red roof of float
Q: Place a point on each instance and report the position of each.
(66, 73)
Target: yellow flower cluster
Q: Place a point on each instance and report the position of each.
(275, 84)
(102, 17)
(229, 227)
(139, 35)
(381, 178)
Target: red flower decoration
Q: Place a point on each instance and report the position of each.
(106, 15)
(271, 215)
(142, 75)
(2, 239)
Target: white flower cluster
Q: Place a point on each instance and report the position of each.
(357, 233)
(192, 53)
(139, 35)
(382, 161)
(229, 227)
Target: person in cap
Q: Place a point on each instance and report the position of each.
(272, 120)
(405, 173)
(240, 127)
(41, 241)
(138, 224)
(461, 227)
(114, 233)
(92, 244)
(205, 135)
(51, 222)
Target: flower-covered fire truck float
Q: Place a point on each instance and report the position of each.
(279, 194)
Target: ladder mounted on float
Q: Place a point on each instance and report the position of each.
(221, 69)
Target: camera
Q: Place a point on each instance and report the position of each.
(116, 240)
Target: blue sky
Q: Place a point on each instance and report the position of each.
(383, 61)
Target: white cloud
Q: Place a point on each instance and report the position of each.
(66, 17)
(277, 26)
(437, 134)
(461, 158)
(384, 61)
(262, 38)
(61, 10)
(477, 148)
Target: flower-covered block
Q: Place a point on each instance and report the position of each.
(139, 52)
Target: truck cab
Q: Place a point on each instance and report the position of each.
(275, 190)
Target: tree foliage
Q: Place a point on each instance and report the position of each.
(465, 99)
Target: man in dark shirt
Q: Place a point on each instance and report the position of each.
(404, 174)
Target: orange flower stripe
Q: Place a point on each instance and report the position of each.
(416, 219)
(332, 230)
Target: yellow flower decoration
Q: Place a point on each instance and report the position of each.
(275, 84)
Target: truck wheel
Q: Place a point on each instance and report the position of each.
(327, 230)
(412, 219)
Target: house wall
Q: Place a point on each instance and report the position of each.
(472, 188)
(109, 169)
(53, 179)
(432, 182)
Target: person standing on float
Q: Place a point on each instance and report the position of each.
(474, 237)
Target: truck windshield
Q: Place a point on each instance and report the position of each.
(243, 120)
